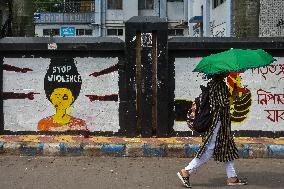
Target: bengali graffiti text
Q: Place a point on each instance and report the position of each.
(276, 69)
(275, 115)
(263, 97)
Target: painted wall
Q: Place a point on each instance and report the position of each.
(271, 19)
(37, 90)
(261, 108)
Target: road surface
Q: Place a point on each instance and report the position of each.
(129, 173)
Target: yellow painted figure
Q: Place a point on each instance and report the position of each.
(61, 98)
(241, 98)
(62, 85)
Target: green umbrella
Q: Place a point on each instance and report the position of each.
(233, 60)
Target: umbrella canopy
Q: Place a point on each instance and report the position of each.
(233, 60)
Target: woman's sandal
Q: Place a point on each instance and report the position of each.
(237, 182)
(184, 180)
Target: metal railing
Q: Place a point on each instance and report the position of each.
(65, 7)
(80, 17)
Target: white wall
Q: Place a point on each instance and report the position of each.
(24, 114)
(261, 115)
(218, 18)
(214, 20)
(175, 11)
(153, 12)
(116, 18)
(194, 7)
(129, 9)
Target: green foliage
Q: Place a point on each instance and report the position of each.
(48, 5)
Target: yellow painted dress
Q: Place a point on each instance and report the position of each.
(48, 124)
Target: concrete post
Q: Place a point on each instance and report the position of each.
(189, 15)
(206, 18)
(103, 17)
(229, 18)
(147, 74)
(185, 9)
(1, 96)
(98, 17)
(163, 8)
(246, 18)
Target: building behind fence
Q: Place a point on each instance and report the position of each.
(204, 18)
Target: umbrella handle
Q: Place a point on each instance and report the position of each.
(235, 92)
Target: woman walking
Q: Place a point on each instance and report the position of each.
(218, 140)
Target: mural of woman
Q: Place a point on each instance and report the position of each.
(62, 85)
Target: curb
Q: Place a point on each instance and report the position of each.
(130, 149)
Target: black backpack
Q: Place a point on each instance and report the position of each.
(200, 120)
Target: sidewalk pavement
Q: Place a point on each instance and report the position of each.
(70, 145)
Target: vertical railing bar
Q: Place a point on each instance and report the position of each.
(1, 97)
(138, 81)
(154, 80)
